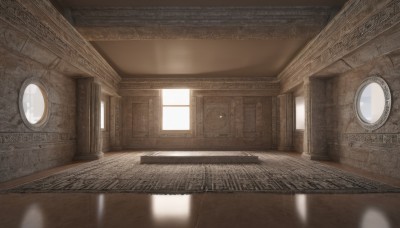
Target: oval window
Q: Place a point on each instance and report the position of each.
(373, 103)
(33, 104)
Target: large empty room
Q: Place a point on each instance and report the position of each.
(200, 113)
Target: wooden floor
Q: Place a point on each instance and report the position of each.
(199, 210)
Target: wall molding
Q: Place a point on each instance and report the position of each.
(355, 25)
(35, 137)
(143, 23)
(44, 24)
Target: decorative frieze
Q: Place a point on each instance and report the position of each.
(370, 138)
(339, 39)
(35, 137)
(40, 20)
(200, 22)
(202, 84)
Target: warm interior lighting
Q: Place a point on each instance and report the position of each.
(170, 207)
(102, 120)
(33, 217)
(176, 109)
(301, 207)
(374, 218)
(300, 113)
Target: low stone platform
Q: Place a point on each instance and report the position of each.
(199, 157)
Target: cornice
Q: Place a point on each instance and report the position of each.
(42, 22)
(201, 22)
(355, 25)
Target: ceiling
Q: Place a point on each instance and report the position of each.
(199, 57)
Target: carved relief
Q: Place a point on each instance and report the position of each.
(200, 22)
(217, 117)
(337, 40)
(29, 138)
(43, 24)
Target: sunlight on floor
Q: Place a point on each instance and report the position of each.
(171, 207)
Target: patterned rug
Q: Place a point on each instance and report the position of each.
(276, 173)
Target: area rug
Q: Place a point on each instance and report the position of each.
(276, 173)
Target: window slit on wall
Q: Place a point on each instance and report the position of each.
(175, 109)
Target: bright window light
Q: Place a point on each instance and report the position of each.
(176, 109)
(34, 104)
(300, 113)
(102, 109)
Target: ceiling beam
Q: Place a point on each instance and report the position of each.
(97, 24)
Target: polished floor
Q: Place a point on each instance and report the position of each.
(199, 210)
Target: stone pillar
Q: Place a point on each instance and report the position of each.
(88, 120)
(286, 113)
(315, 144)
(115, 123)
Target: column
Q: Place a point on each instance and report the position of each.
(88, 119)
(315, 145)
(286, 115)
(115, 123)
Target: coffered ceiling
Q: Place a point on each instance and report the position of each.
(207, 38)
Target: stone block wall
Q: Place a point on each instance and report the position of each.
(247, 122)
(377, 151)
(22, 150)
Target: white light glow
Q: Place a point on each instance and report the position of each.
(100, 208)
(33, 217)
(170, 207)
(102, 120)
(300, 113)
(176, 109)
(176, 96)
(372, 103)
(374, 218)
(176, 118)
(33, 103)
(301, 207)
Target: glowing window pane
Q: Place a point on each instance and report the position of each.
(176, 96)
(176, 118)
(372, 103)
(33, 104)
(102, 115)
(300, 113)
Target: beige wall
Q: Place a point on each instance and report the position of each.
(22, 150)
(349, 143)
(247, 123)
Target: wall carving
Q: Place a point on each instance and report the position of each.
(371, 138)
(200, 22)
(35, 137)
(269, 86)
(339, 39)
(43, 23)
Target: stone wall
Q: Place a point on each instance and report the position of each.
(22, 150)
(247, 122)
(349, 143)
(298, 141)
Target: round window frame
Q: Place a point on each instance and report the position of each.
(388, 103)
(46, 114)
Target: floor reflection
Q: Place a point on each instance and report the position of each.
(100, 208)
(374, 218)
(171, 208)
(33, 217)
(301, 207)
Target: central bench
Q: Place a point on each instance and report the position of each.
(198, 157)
